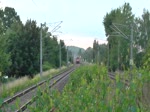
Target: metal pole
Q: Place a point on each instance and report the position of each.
(98, 56)
(108, 56)
(41, 52)
(131, 50)
(131, 44)
(67, 56)
(60, 55)
(118, 53)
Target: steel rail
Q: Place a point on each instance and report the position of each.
(112, 76)
(22, 108)
(9, 100)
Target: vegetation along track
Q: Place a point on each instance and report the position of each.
(20, 101)
(113, 77)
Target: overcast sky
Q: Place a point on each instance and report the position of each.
(82, 19)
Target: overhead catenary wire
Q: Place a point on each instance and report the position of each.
(125, 36)
(34, 3)
(131, 43)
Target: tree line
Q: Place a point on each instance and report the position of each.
(96, 54)
(118, 46)
(116, 53)
(20, 46)
(20, 43)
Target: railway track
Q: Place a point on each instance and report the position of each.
(28, 96)
(112, 76)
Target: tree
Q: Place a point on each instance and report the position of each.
(79, 52)
(8, 17)
(63, 52)
(4, 57)
(1, 22)
(87, 55)
(23, 48)
(103, 53)
(95, 51)
(146, 58)
(122, 15)
(143, 30)
(142, 37)
(51, 51)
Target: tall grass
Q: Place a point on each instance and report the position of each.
(10, 88)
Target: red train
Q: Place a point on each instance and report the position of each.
(78, 61)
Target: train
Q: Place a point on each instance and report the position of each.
(78, 60)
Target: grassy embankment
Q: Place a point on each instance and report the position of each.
(12, 87)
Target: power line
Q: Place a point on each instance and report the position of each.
(34, 3)
(44, 15)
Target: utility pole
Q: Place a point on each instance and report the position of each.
(131, 50)
(108, 57)
(130, 40)
(67, 56)
(41, 70)
(60, 54)
(118, 53)
(98, 56)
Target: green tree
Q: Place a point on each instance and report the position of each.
(103, 53)
(143, 30)
(4, 57)
(63, 52)
(95, 51)
(79, 52)
(146, 58)
(51, 51)
(122, 15)
(8, 17)
(88, 55)
(142, 38)
(23, 48)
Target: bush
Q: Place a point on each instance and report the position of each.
(90, 89)
(46, 66)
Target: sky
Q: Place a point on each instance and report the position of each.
(82, 19)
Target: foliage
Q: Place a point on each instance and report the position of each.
(8, 17)
(16, 85)
(99, 53)
(88, 55)
(4, 57)
(142, 30)
(146, 58)
(119, 47)
(142, 38)
(95, 51)
(23, 49)
(75, 50)
(20, 46)
(90, 89)
(103, 54)
(63, 52)
(51, 51)
(46, 66)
